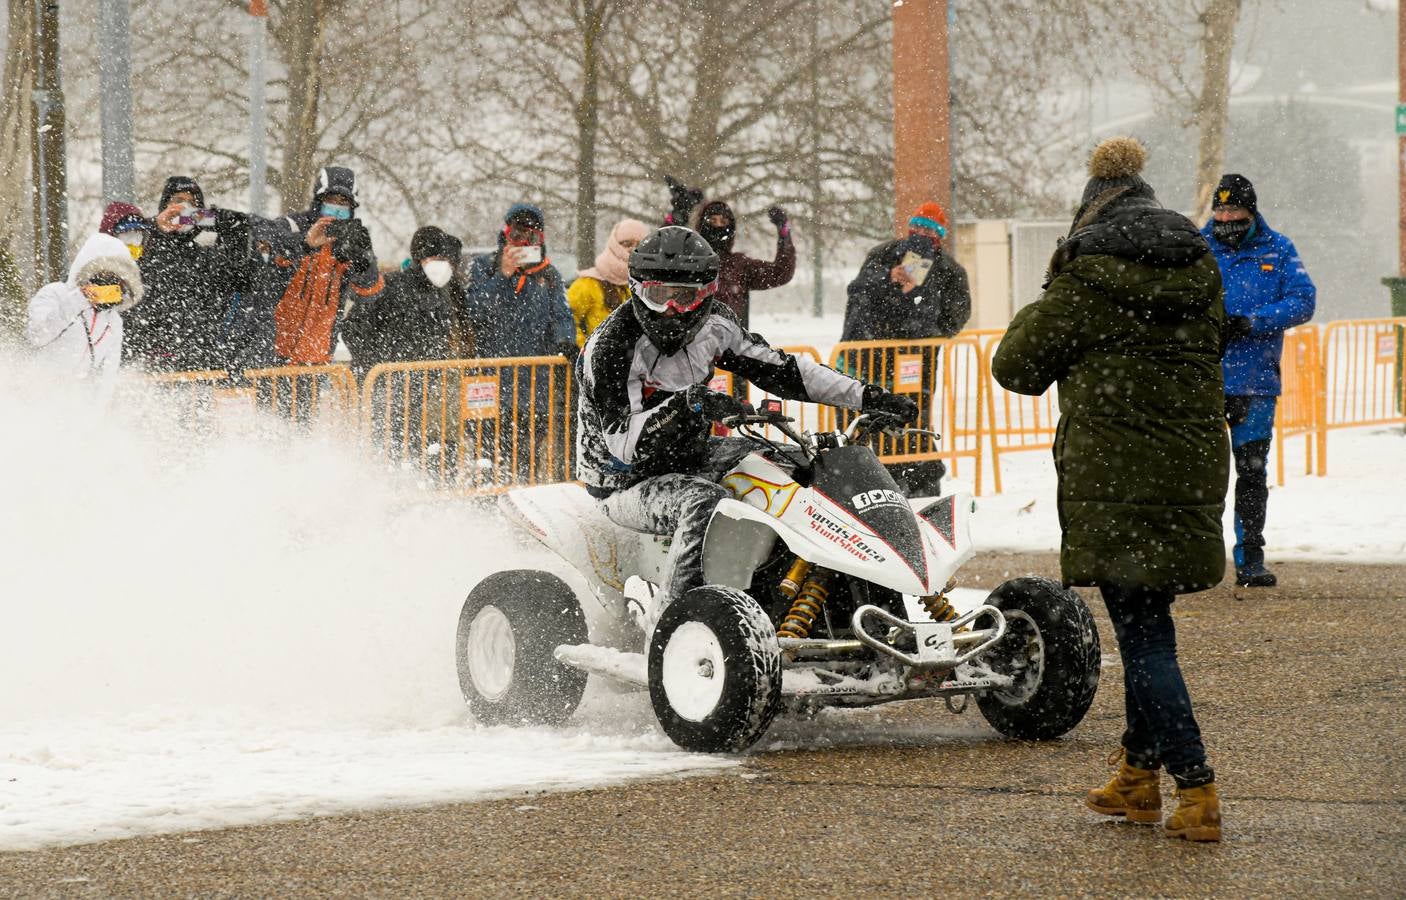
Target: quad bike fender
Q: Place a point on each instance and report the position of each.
(740, 537)
(945, 524)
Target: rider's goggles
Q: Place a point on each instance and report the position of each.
(662, 296)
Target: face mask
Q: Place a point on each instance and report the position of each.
(336, 210)
(103, 294)
(438, 271)
(1232, 233)
(133, 240)
(719, 237)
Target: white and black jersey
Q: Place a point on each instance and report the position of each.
(633, 420)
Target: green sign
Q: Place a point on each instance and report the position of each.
(1401, 118)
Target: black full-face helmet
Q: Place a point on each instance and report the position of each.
(673, 276)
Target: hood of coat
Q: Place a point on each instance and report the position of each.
(720, 239)
(103, 253)
(613, 263)
(1154, 293)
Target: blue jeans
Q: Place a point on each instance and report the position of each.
(1161, 729)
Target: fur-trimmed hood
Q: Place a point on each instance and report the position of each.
(105, 253)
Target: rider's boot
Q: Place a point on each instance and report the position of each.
(1197, 816)
(1133, 792)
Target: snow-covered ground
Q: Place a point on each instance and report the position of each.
(202, 630)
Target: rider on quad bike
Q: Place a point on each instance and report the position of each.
(645, 447)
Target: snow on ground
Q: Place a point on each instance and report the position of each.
(204, 630)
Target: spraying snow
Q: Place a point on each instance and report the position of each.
(224, 621)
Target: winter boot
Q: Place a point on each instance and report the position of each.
(1254, 575)
(1197, 816)
(1133, 793)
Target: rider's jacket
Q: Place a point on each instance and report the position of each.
(633, 421)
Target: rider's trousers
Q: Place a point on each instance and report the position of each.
(1161, 729)
(680, 505)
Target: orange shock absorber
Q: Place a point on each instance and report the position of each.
(805, 609)
(790, 586)
(938, 607)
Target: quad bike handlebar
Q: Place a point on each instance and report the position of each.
(862, 426)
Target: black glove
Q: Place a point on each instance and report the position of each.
(1236, 327)
(353, 244)
(715, 406)
(777, 215)
(232, 228)
(682, 199)
(878, 400)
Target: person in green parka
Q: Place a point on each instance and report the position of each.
(1130, 326)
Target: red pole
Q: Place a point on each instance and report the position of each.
(922, 151)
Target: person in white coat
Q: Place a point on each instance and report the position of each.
(77, 324)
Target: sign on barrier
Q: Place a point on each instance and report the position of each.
(478, 397)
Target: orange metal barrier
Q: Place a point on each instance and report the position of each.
(304, 393)
(808, 416)
(1301, 377)
(1015, 421)
(1361, 377)
(476, 426)
(948, 388)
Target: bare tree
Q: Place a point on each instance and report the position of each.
(15, 113)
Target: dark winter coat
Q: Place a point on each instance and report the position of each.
(740, 274)
(878, 310)
(409, 320)
(524, 314)
(1265, 282)
(182, 323)
(1130, 327)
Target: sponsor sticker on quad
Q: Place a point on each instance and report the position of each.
(878, 497)
(478, 397)
(934, 641)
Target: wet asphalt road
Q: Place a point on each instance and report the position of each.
(1301, 693)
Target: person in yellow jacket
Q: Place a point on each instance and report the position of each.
(597, 291)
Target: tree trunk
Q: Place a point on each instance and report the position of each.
(16, 108)
(587, 126)
(47, 145)
(300, 36)
(1213, 106)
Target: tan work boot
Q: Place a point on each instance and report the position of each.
(1133, 793)
(1197, 816)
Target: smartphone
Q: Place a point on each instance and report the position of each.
(530, 255)
(200, 218)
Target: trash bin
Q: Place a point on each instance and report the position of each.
(1397, 286)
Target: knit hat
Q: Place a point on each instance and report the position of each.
(527, 215)
(1117, 163)
(613, 263)
(429, 241)
(1235, 190)
(178, 183)
(335, 180)
(929, 215)
(119, 217)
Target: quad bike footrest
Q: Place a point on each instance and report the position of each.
(939, 645)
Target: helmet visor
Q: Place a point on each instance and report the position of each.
(662, 296)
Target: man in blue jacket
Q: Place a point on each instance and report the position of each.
(1267, 292)
(516, 302)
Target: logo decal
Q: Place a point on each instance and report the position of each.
(879, 497)
(1225, 196)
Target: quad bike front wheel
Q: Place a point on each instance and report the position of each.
(508, 628)
(1051, 650)
(714, 670)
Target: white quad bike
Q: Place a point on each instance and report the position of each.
(812, 566)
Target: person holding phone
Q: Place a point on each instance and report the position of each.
(194, 261)
(516, 304)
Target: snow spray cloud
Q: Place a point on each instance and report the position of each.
(152, 565)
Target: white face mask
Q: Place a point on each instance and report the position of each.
(438, 271)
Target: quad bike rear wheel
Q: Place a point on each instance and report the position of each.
(508, 628)
(1051, 649)
(714, 670)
